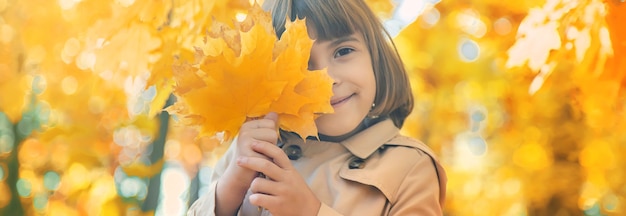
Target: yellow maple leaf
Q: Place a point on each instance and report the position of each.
(536, 39)
(245, 72)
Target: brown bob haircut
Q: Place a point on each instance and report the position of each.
(337, 18)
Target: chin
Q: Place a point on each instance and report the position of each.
(330, 126)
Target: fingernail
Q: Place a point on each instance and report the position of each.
(272, 115)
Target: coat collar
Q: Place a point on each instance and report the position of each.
(369, 140)
(362, 144)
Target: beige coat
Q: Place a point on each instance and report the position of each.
(375, 172)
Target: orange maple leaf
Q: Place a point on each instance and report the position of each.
(245, 72)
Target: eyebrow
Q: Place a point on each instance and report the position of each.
(340, 40)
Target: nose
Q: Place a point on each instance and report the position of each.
(333, 75)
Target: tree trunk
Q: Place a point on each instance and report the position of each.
(158, 147)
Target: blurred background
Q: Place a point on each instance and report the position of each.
(524, 102)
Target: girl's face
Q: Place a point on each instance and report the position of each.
(348, 62)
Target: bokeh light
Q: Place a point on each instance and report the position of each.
(86, 60)
(103, 191)
(40, 202)
(174, 200)
(7, 138)
(469, 50)
(39, 84)
(24, 187)
(503, 26)
(69, 84)
(68, 4)
(51, 180)
(133, 187)
(430, 17)
(76, 178)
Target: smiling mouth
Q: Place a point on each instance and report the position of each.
(340, 100)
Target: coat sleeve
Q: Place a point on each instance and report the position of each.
(420, 191)
(205, 205)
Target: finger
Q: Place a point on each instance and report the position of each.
(251, 153)
(264, 200)
(247, 135)
(273, 117)
(274, 152)
(265, 186)
(261, 165)
(260, 123)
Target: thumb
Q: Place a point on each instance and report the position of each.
(272, 116)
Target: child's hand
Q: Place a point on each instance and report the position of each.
(233, 184)
(254, 132)
(284, 191)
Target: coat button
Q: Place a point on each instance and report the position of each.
(382, 149)
(356, 163)
(293, 152)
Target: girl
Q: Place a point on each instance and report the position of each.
(360, 165)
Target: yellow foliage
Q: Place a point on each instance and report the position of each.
(616, 15)
(531, 156)
(246, 73)
(142, 170)
(131, 50)
(186, 27)
(382, 8)
(83, 55)
(545, 93)
(13, 82)
(13, 96)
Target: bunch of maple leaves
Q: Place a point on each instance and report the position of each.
(247, 72)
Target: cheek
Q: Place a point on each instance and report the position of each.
(369, 85)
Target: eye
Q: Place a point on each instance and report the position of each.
(343, 51)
